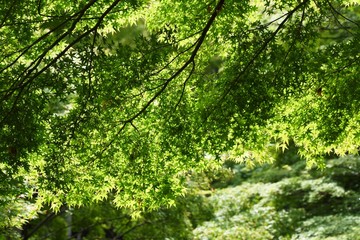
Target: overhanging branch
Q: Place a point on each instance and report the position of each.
(186, 64)
(258, 52)
(28, 78)
(191, 59)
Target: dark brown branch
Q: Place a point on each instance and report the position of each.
(342, 15)
(260, 50)
(78, 39)
(112, 141)
(61, 54)
(266, 43)
(176, 74)
(14, 23)
(191, 59)
(334, 13)
(90, 63)
(173, 59)
(25, 49)
(132, 229)
(23, 84)
(300, 26)
(137, 130)
(184, 85)
(7, 14)
(45, 221)
(39, 59)
(27, 83)
(206, 29)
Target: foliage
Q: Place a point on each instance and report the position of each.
(329, 227)
(105, 221)
(299, 204)
(302, 204)
(123, 98)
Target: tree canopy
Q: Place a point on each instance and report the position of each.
(125, 97)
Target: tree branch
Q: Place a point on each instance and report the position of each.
(34, 64)
(191, 59)
(176, 74)
(8, 13)
(340, 14)
(184, 85)
(43, 222)
(25, 83)
(258, 52)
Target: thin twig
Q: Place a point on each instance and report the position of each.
(340, 14)
(184, 85)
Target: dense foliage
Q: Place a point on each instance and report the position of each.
(120, 99)
(233, 202)
(287, 202)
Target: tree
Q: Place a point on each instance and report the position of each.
(124, 97)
